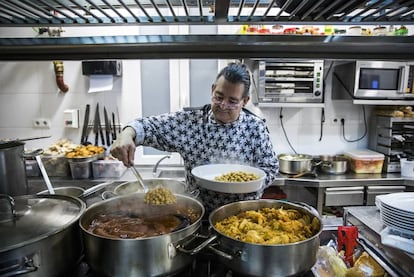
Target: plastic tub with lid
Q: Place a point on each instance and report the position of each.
(365, 161)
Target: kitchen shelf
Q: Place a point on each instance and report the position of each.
(207, 46)
(42, 15)
(133, 12)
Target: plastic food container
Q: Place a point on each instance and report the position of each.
(81, 168)
(407, 168)
(108, 169)
(56, 166)
(365, 161)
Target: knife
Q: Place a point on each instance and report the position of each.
(96, 125)
(113, 128)
(99, 125)
(84, 136)
(107, 127)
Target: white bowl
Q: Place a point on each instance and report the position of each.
(205, 175)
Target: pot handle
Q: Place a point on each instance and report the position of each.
(26, 266)
(198, 248)
(108, 194)
(194, 193)
(11, 203)
(220, 253)
(96, 188)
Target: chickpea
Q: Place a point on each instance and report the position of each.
(160, 196)
(237, 176)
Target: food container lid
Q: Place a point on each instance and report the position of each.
(364, 154)
(36, 217)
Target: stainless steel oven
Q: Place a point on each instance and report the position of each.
(288, 81)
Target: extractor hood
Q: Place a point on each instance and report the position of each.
(44, 14)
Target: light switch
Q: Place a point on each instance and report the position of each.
(71, 118)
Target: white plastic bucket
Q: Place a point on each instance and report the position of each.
(407, 168)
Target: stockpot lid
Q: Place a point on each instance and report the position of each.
(36, 217)
(4, 144)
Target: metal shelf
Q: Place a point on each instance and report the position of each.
(121, 12)
(63, 13)
(206, 46)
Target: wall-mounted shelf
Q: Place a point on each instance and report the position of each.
(291, 105)
(207, 46)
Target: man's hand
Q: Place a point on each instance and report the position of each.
(124, 147)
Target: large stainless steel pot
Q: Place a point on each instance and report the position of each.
(295, 163)
(40, 235)
(265, 260)
(12, 169)
(152, 256)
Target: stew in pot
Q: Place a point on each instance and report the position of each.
(135, 226)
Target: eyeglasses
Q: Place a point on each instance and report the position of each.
(231, 104)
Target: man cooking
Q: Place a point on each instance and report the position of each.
(221, 132)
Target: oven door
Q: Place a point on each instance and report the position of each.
(290, 81)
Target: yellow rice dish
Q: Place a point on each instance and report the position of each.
(269, 226)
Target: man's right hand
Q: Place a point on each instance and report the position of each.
(123, 147)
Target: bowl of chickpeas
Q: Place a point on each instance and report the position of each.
(229, 178)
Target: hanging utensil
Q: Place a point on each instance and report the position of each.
(322, 122)
(100, 126)
(107, 128)
(139, 178)
(113, 128)
(84, 137)
(96, 125)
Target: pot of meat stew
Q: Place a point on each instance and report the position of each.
(261, 252)
(124, 236)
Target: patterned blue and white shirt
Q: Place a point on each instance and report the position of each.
(200, 140)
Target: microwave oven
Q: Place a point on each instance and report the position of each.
(279, 81)
(382, 80)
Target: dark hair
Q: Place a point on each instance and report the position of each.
(236, 73)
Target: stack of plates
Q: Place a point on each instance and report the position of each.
(397, 210)
(397, 213)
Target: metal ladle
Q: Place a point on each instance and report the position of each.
(139, 178)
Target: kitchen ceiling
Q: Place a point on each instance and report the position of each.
(79, 13)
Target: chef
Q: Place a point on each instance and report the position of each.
(220, 132)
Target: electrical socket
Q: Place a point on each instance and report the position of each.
(337, 119)
(42, 123)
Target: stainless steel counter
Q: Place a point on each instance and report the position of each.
(348, 179)
(317, 186)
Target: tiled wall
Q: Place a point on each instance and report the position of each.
(28, 90)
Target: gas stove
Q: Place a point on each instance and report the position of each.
(204, 265)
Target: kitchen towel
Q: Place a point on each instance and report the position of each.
(99, 83)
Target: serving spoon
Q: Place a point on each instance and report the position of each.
(139, 178)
